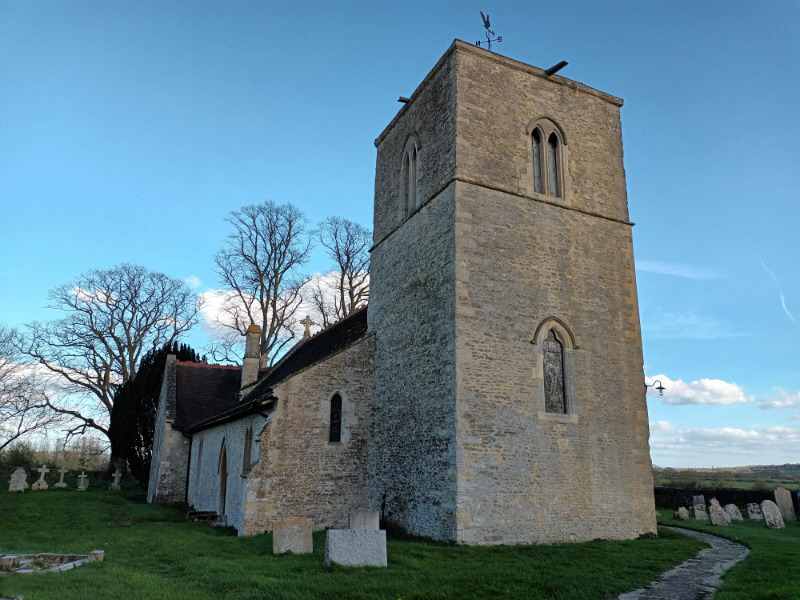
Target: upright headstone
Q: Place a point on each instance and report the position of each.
(716, 514)
(115, 484)
(772, 515)
(356, 547)
(682, 513)
(18, 481)
(364, 518)
(41, 484)
(783, 498)
(733, 512)
(699, 508)
(292, 535)
(82, 481)
(61, 483)
(754, 512)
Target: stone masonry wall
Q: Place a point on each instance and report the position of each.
(170, 456)
(300, 473)
(204, 480)
(523, 475)
(412, 309)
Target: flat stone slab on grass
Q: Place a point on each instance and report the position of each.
(356, 547)
(292, 535)
(772, 515)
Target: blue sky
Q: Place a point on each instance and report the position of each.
(128, 130)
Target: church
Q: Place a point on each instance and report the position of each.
(492, 391)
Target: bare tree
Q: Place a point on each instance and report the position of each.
(113, 317)
(348, 244)
(23, 401)
(260, 265)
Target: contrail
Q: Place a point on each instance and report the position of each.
(777, 283)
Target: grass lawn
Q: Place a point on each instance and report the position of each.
(770, 571)
(152, 553)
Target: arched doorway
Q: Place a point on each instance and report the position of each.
(222, 471)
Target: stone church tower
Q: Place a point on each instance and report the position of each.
(508, 399)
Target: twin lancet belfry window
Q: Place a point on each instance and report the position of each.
(546, 155)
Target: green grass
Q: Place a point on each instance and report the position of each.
(770, 570)
(152, 553)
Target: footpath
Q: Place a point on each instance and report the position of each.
(698, 578)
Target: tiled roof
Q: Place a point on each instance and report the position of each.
(318, 347)
(203, 390)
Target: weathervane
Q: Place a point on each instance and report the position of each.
(489, 33)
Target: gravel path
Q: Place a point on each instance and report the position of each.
(698, 578)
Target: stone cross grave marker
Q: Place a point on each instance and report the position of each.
(41, 484)
(754, 512)
(82, 481)
(783, 498)
(61, 483)
(18, 481)
(772, 515)
(733, 512)
(117, 476)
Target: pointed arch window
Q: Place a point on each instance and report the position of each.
(555, 400)
(199, 462)
(555, 393)
(547, 152)
(248, 448)
(222, 473)
(409, 183)
(335, 431)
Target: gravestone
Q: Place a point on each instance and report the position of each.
(115, 484)
(682, 513)
(733, 512)
(754, 512)
(783, 498)
(699, 508)
(82, 482)
(716, 514)
(772, 515)
(292, 535)
(18, 481)
(41, 484)
(61, 483)
(355, 547)
(364, 518)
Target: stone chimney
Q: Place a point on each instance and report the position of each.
(251, 355)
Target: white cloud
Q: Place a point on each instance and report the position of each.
(712, 446)
(786, 400)
(704, 391)
(677, 270)
(193, 281)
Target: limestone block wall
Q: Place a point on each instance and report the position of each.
(299, 472)
(521, 257)
(170, 455)
(204, 475)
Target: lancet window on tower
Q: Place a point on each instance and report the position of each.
(409, 177)
(547, 158)
(555, 400)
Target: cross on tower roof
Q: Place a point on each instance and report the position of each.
(308, 323)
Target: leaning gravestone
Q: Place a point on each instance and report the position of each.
(61, 483)
(772, 515)
(716, 514)
(18, 481)
(356, 547)
(292, 535)
(682, 514)
(783, 498)
(699, 508)
(41, 484)
(754, 512)
(733, 512)
(364, 518)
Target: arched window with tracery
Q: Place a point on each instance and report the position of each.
(555, 351)
(547, 157)
(410, 177)
(335, 429)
